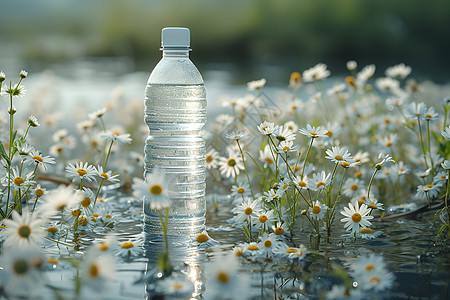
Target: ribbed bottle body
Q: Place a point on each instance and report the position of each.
(175, 115)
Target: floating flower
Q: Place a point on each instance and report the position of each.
(356, 217)
(97, 270)
(203, 240)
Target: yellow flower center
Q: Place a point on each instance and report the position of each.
(209, 158)
(358, 174)
(345, 164)
(329, 133)
(369, 267)
(38, 158)
(104, 175)
(356, 217)
(268, 243)
(81, 172)
(93, 271)
(127, 245)
(263, 128)
(313, 134)
(269, 161)
(296, 77)
(103, 246)
(302, 184)
(387, 121)
(156, 189)
(231, 162)
(82, 221)
(240, 190)
(338, 157)
(366, 230)
(18, 181)
(372, 205)
(53, 261)
(201, 238)
(223, 277)
(428, 116)
(86, 202)
(24, 231)
(285, 186)
(20, 266)
(248, 211)
(316, 209)
(354, 187)
(39, 193)
(263, 218)
(374, 280)
(177, 286)
(278, 231)
(108, 216)
(95, 215)
(253, 248)
(52, 230)
(320, 184)
(388, 144)
(291, 250)
(75, 213)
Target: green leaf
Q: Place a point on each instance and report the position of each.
(4, 154)
(246, 232)
(441, 229)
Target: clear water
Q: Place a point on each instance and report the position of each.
(175, 116)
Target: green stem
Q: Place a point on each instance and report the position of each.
(98, 191)
(245, 168)
(421, 143)
(429, 147)
(306, 157)
(370, 183)
(107, 155)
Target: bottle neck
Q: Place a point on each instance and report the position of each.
(176, 52)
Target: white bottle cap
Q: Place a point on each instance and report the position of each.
(175, 37)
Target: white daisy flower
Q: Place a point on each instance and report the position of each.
(286, 146)
(382, 160)
(338, 154)
(313, 132)
(265, 220)
(377, 281)
(21, 277)
(446, 165)
(446, 133)
(154, 190)
(356, 217)
(416, 111)
(286, 133)
(129, 249)
(398, 71)
(97, 269)
(43, 161)
(428, 191)
(282, 251)
(212, 159)
(267, 243)
(352, 187)
(230, 166)
(203, 240)
(224, 281)
(20, 180)
(299, 182)
(240, 190)
(351, 65)
(431, 114)
(256, 84)
(114, 136)
(247, 209)
(319, 181)
(281, 230)
(81, 171)
(172, 286)
(318, 72)
(57, 200)
(299, 256)
(107, 175)
(23, 230)
(271, 194)
(317, 211)
(268, 128)
(266, 156)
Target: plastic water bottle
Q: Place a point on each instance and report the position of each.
(175, 112)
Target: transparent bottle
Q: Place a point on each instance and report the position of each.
(175, 113)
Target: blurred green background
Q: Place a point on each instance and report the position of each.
(251, 39)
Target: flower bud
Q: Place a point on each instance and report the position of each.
(23, 74)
